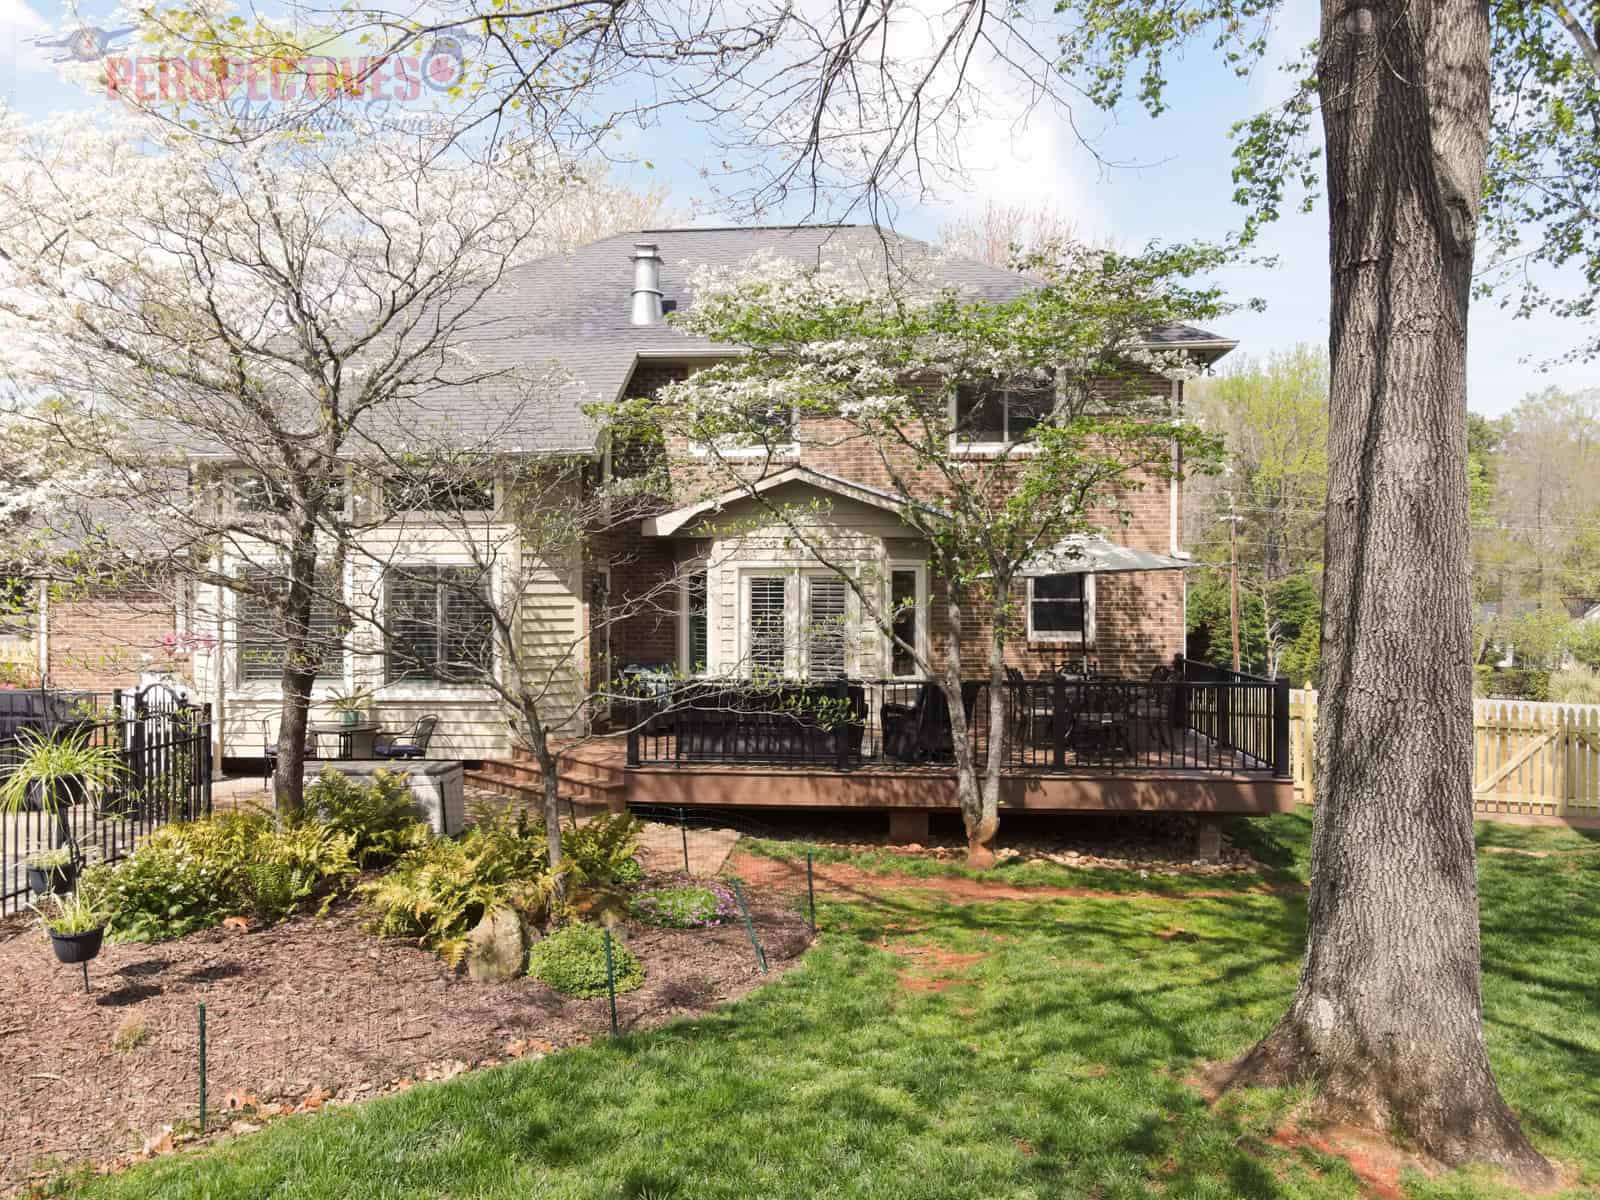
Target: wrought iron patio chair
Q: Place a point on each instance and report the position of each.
(406, 743)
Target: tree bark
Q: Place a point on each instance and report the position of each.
(979, 813)
(1387, 1019)
(299, 674)
(538, 738)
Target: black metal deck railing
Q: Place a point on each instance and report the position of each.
(164, 747)
(1203, 719)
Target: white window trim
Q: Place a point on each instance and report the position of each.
(1086, 638)
(228, 659)
(852, 624)
(743, 574)
(438, 516)
(233, 475)
(923, 611)
(756, 453)
(797, 603)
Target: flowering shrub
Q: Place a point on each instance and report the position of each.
(572, 961)
(686, 906)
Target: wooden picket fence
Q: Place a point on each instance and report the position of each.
(1541, 759)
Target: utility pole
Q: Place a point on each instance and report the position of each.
(1233, 583)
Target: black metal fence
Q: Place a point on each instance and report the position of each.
(164, 746)
(1203, 718)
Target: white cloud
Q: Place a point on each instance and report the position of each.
(18, 23)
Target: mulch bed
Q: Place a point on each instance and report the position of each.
(300, 1014)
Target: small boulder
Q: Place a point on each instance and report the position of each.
(497, 947)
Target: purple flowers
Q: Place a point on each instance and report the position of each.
(690, 904)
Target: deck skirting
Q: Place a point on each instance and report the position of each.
(933, 789)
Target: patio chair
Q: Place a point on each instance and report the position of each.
(406, 743)
(1100, 713)
(1032, 710)
(1154, 705)
(269, 750)
(920, 731)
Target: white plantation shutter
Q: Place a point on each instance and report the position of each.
(260, 626)
(441, 627)
(769, 604)
(825, 628)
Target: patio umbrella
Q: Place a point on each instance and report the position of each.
(1092, 554)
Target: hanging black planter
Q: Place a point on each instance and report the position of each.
(53, 881)
(72, 948)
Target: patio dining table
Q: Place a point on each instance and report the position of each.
(355, 741)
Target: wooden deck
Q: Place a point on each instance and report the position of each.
(1130, 787)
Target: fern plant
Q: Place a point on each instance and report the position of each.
(439, 891)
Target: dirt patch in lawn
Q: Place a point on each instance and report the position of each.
(842, 879)
(933, 968)
(300, 1014)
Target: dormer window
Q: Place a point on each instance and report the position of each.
(992, 415)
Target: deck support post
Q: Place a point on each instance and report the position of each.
(1058, 723)
(1208, 837)
(1281, 766)
(907, 825)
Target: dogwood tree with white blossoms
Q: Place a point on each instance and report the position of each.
(280, 306)
(845, 356)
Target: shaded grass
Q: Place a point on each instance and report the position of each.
(1024, 1049)
(1279, 842)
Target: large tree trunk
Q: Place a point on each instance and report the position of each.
(1387, 1020)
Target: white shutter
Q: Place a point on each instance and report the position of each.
(769, 603)
(826, 628)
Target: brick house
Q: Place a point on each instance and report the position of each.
(729, 596)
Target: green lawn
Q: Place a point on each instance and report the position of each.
(1040, 1051)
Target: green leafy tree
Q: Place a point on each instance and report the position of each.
(870, 363)
(1437, 120)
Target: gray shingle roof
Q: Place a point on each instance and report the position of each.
(571, 311)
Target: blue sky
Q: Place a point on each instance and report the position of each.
(1182, 191)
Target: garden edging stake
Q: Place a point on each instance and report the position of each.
(611, 983)
(202, 1066)
(749, 925)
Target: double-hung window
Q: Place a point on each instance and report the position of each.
(440, 624)
(261, 628)
(1061, 608)
(995, 416)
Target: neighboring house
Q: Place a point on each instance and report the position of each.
(93, 639)
(743, 596)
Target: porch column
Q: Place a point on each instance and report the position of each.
(1208, 838)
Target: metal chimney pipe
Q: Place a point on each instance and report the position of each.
(646, 284)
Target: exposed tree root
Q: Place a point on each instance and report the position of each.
(1451, 1112)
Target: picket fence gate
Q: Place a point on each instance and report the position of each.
(1539, 759)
